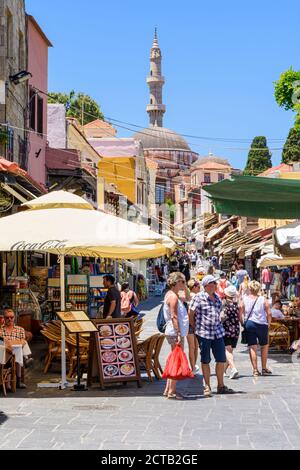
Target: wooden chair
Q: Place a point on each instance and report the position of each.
(72, 353)
(146, 354)
(8, 374)
(158, 371)
(138, 324)
(279, 336)
(54, 348)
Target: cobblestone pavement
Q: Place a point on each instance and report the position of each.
(263, 414)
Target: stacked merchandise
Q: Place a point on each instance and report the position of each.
(97, 294)
(77, 291)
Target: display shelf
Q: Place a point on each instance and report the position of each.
(77, 291)
(97, 294)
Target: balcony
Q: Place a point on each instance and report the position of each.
(156, 107)
(156, 79)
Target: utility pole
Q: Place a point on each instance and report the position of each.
(82, 111)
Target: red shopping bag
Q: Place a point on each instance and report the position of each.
(177, 366)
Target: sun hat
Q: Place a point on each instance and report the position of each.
(208, 280)
(230, 291)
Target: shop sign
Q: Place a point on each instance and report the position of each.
(6, 201)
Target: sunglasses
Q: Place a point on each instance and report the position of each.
(9, 318)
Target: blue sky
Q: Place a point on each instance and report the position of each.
(220, 60)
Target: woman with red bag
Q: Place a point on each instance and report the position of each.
(177, 323)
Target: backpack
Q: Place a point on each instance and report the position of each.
(160, 321)
(126, 302)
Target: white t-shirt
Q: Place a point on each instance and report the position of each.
(276, 313)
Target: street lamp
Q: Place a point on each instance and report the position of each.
(20, 77)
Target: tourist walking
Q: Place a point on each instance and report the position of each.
(205, 309)
(244, 287)
(240, 274)
(231, 326)
(222, 284)
(256, 316)
(194, 288)
(177, 322)
(266, 279)
(129, 301)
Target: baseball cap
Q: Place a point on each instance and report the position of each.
(208, 280)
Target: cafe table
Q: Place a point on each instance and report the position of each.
(293, 323)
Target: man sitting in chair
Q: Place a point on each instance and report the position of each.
(14, 335)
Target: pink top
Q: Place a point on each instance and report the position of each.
(266, 276)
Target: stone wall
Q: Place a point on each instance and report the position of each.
(13, 59)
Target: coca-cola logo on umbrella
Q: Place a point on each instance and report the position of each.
(40, 246)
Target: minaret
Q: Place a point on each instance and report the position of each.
(156, 109)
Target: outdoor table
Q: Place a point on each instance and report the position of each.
(18, 351)
(2, 354)
(292, 323)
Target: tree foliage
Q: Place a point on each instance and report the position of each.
(291, 149)
(78, 105)
(286, 87)
(287, 92)
(259, 157)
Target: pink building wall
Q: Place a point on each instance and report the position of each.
(38, 45)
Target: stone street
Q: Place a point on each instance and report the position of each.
(263, 414)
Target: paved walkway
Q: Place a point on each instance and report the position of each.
(263, 414)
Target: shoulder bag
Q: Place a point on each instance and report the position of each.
(244, 333)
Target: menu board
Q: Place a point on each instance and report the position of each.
(77, 322)
(73, 316)
(116, 351)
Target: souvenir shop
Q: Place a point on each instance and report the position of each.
(30, 284)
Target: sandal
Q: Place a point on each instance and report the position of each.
(207, 392)
(174, 396)
(256, 373)
(266, 372)
(225, 391)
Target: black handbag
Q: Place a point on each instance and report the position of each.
(244, 339)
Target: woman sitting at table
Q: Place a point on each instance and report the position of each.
(276, 310)
(13, 336)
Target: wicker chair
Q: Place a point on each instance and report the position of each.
(8, 374)
(148, 355)
(54, 348)
(83, 354)
(158, 371)
(279, 336)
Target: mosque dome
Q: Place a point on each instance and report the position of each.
(155, 137)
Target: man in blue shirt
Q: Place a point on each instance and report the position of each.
(241, 273)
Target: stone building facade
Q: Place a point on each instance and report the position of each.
(13, 97)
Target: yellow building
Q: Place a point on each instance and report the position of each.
(120, 172)
(123, 167)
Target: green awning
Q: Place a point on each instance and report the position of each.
(252, 196)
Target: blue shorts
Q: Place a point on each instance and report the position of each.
(256, 333)
(216, 345)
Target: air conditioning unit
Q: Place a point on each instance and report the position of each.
(296, 166)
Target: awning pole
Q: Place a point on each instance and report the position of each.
(63, 330)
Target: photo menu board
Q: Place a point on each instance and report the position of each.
(116, 352)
